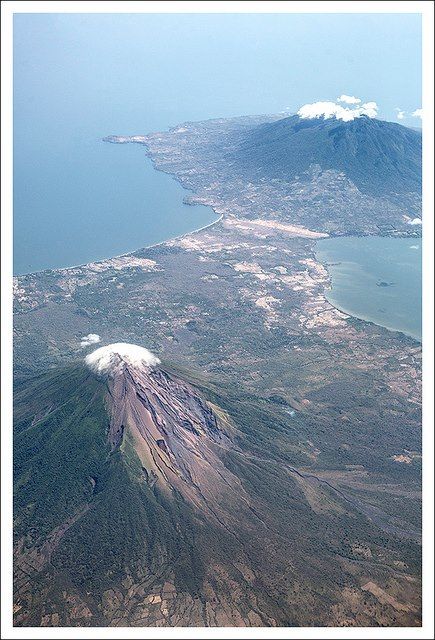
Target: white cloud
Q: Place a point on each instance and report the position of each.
(115, 357)
(348, 99)
(369, 109)
(415, 221)
(418, 113)
(400, 113)
(91, 338)
(333, 110)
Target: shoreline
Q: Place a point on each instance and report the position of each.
(143, 248)
(202, 228)
(123, 255)
(352, 314)
(325, 296)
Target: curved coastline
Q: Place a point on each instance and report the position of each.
(124, 255)
(154, 210)
(361, 318)
(339, 307)
(358, 316)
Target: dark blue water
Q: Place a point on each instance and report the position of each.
(80, 77)
(376, 279)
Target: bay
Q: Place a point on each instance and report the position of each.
(93, 200)
(376, 279)
(81, 77)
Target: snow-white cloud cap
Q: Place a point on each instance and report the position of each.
(328, 110)
(113, 358)
(418, 113)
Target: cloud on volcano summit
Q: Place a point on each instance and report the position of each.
(329, 109)
(114, 357)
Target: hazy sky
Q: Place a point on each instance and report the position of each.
(147, 71)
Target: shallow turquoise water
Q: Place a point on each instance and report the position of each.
(376, 279)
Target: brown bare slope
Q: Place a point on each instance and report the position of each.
(140, 501)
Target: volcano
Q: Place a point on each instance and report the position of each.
(379, 157)
(121, 488)
(175, 433)
(148, 495)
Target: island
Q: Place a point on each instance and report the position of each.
(241, 304)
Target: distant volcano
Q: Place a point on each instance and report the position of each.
(380, 158)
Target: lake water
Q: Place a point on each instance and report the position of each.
(94, 200)
(376, 279)
(80, 77)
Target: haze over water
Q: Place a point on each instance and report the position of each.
(80, 77)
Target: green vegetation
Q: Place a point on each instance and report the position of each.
(59, 445)
(63, 463)
(114, 527)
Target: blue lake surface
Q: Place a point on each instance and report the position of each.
(95, 200)
(80, 77)
(376, 279)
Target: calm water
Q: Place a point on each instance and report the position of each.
(80, 77)
(95, 200)
(376, 279)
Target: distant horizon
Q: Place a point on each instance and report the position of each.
(81, 77)
(170, 68)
